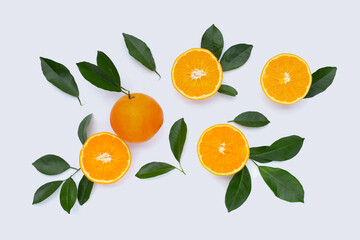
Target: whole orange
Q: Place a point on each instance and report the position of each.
(136, 119)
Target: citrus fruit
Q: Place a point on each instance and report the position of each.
(286, 78)
(136, 119)
(197, 74)
(223, 149)
(104, 158)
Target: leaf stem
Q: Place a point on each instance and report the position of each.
(74, 168)
(80, 101)
(127, 92)
(157, 74)
(77, 169)
(254, 162)
(181, 170)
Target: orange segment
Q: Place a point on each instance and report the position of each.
(223, 149)
(286, 78)
(104, 158)
(197, 74)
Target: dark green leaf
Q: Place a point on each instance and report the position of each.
(235, 56)
(82, 131)
(228, 90)
(321, 80)
(59, 76)
(177, 138)
(213, 41)
(251, 119)
(84, 191)
(104, 62)
(51, 165)
(45, 191)
(281, 150)
(254, 151)
(154, 169)
(140, 51)
(238, 190)
(284, 185)
(98, 77)
(68, 194)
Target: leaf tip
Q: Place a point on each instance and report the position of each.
(229, 210)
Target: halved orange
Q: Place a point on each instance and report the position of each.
(286, 78)
(223, 149)
(104, 158)
(197, 74)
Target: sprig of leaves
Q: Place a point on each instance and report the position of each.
(104, 75)
(139, 50)
(177, 139)
(58, 75)
(282, 183)
(251, 119)
(321, 80)
(233, 58)
(53, 165)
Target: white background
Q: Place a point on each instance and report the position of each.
(37, 119)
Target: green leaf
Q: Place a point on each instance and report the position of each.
(140, 51)
(281, 150)
(68, 194)
(154, 169)
(228, 90)
(58, 75)
(177, 138)
(82, 130)
(235, 56)
(51, 165)
(84, 191)
(45, 191)
(98, 77)
(251, 119)
(104, 62)
(213, 41)
(321, 80)
(284, 185)
(238, 190)
(254, 151)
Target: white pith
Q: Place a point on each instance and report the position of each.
(197, 73)
(222, 148)
(104, 157)
(286, 78)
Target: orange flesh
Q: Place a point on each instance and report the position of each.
(286, 79)
(223, 149)
(104, 158)
(197, 74)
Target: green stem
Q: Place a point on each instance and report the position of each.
(127, 92)
(77, 169)
(80, 101)
(181, 170)
(74, 168)
(254, 162)
(157, 74)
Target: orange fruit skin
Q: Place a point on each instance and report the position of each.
(197, 61)
(273, 74)
(110, 148)
(137, 119)
(223, 150)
